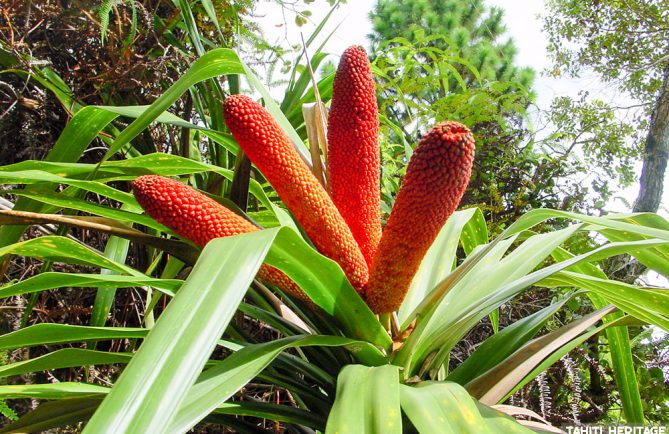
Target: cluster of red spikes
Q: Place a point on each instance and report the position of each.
(344, 222)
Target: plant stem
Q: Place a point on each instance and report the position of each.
(386, 319)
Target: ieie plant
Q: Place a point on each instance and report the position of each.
(363, 317)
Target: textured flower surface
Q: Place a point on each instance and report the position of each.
(436, 179)
(353, 150)
(200, 219)
(186, 211)
(270, 149)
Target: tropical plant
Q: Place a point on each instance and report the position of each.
(335, 367)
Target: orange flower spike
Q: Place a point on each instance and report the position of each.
(436, 179)
(353, 150)
(186, 211)
(200, 219)
(268, 147)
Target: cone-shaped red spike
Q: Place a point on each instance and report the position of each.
(436, 179)
(268, 147)
(196, 217)
(353, 150)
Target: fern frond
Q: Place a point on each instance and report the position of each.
(104, 12)
(6, 411)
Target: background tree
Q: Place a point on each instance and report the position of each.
(449, 60)
(476, 30)
(580, 154)
(626, 44)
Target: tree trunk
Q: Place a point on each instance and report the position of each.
(656, 153)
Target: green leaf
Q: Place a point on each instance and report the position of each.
(368, 401)
(212, 388)
(51, 280)
(116, 249)
(492, 386)
(65, 358)
(191, 26)
(180, 249)
(648, 304)
(325, 283)
(475, 232)
(178, 345)
(33, 173)
(219, 383)
(447, 408)
(273, 412)
(54, 414)
(136, 111)
(183, 338)
(51, 390)
(41, 334)
(61, 249)
(217, 62)
(534, 217)
(619, 344)
(657, 258)
(565, 349)
(437, 263)
(483, 257)
(623, 366)
(482, 289)
(467, 305)
(501, 345)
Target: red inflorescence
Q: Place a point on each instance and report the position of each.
(200, 219)
(186, 211)
(353, 150)
(436, 179)
(268, 147)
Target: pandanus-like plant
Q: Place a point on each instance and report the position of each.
(371, 316)
(344, 225)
